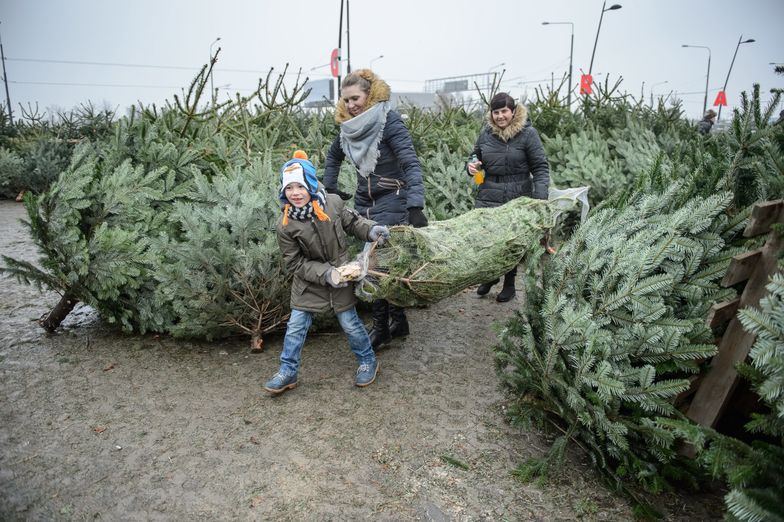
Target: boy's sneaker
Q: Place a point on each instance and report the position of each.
(281, 382)
(366, 373)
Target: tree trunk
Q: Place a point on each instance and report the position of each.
(256, 343)
(61, 310)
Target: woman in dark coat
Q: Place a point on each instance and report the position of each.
(511, 154)
(390, 190)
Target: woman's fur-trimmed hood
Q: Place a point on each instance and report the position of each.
(379, 91)
(519, 121)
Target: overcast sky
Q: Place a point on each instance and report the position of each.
(419, 40)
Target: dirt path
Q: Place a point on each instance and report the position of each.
(99, 425)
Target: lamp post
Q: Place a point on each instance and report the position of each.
(654, 85)
(571, 55)
(212, 89)
(727, 79)
(611, 8)
(707, 76)
(5, 80)
(380, 56)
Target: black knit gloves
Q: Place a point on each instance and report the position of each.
(345, 196)
(416, 218)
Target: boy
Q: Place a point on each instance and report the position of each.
(312, 238)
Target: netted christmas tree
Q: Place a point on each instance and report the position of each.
(423, 266)
(610, 338)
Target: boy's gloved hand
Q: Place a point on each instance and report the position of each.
(332, 278)
(416, 218)
(379, 233)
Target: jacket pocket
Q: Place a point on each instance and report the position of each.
(390, 184)
(340, 234)
(298, 286)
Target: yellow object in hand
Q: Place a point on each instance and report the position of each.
(479, 177)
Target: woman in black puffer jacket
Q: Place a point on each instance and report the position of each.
(511, 154)
(390, 190)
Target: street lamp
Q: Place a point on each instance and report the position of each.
(654, 85)
(496, 67)
(727, 79)
(380, 56)
(571, 54)
(707, 76)
(611, 8)
(5, 80)
(212, 89)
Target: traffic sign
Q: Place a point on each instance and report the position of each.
(334, 62)
(585, 83)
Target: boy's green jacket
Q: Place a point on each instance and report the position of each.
(311, 247)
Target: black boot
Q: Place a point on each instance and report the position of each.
(379, 333)
(484, 288)
(398, 324)
(508, 292)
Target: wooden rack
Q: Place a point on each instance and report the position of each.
(715, 387)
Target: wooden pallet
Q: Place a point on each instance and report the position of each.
(715, 387)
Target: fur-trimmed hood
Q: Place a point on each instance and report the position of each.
(519, 120)
(379, 91)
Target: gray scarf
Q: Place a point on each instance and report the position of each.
(361, 135)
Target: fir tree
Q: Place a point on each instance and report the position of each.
(753, 471)
(223, 273)
(756, 169)
(97, 224)
(11, 173)
(608, 340)
(585, 159)
(449, 191)
(92, 228)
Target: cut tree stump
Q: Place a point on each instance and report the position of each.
(52, 320)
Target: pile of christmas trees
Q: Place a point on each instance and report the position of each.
(168, 226)
(616, 327)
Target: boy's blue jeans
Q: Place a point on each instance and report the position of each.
(297, 330)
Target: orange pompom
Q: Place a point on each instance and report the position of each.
(300, 154)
